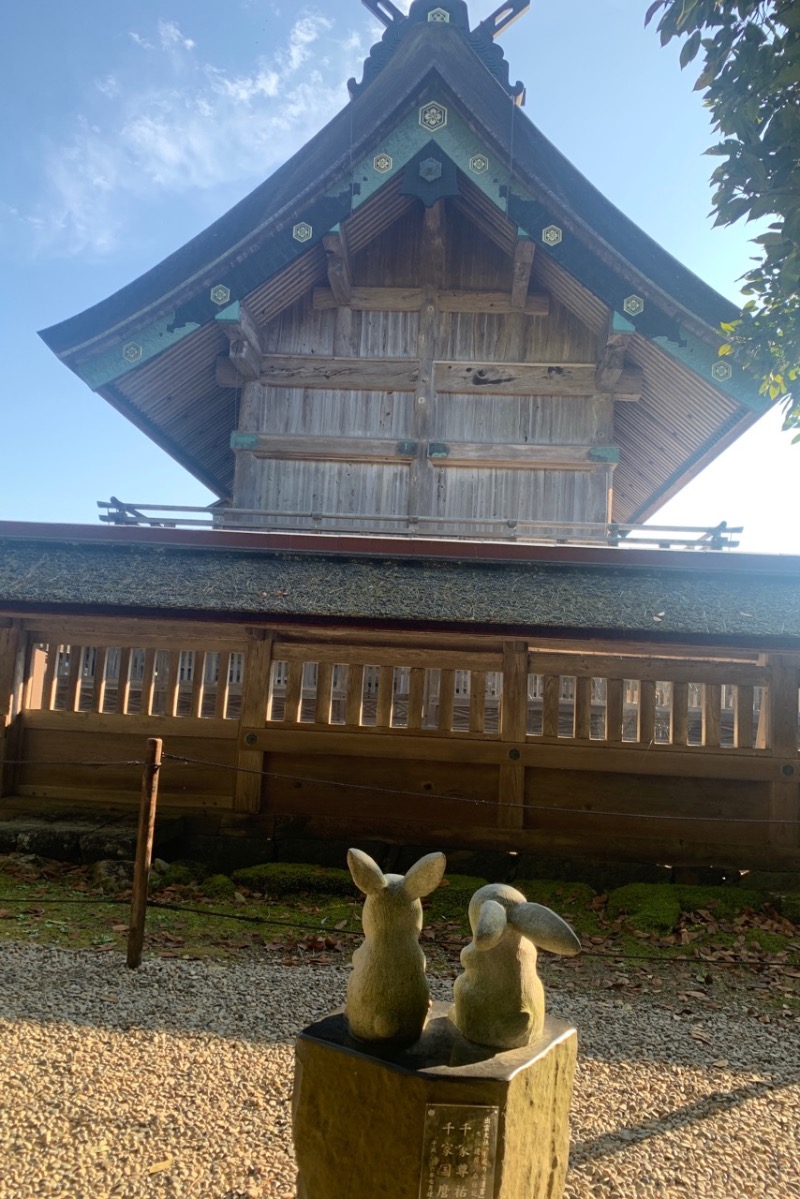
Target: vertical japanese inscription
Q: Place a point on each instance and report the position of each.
(459, 1148)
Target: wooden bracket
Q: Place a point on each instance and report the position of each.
(335, 246)
(611, 372)
(521, 271)
(246, 346)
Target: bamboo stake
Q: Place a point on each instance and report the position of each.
(144, 851)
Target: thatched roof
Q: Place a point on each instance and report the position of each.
(738, 600)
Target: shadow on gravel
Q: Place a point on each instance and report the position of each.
(704, 1109)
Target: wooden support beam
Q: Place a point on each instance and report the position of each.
(517, 456)
(409, 299)
(521, 271)
(529, 378)
(339, 277)
(325, 449)
(782, 714)
(498, 302)
(257, 667)
(465, 378)
(434, 244)
(513, 731)
(245, 359)
(348, 374)
(611, 363)
(12, 664)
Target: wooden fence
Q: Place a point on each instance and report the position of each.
(687, 756)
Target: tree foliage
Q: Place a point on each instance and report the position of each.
(751, 84)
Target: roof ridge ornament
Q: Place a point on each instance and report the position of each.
(454, 14)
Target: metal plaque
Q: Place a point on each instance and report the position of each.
(459, 1149)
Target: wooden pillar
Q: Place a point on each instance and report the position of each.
(255, 692)
(513, 731)
(12, 654)
(784, 673)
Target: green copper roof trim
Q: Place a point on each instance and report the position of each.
(244, 441)
(604, 453)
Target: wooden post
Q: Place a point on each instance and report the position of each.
(782, 714)
(12, 642)
(255, 692)
(144, 851)
(513, 731)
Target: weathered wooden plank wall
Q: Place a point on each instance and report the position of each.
(495, 471)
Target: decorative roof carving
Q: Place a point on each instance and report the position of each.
(433, 13)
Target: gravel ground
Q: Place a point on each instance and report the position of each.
(174, 1082)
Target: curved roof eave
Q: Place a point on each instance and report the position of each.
(317, 165)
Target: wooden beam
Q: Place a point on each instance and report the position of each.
(325, 449)
(250, 759)
(409, 299)
(348, 374)
(245, 359)
(246, 344)
(467, 378)
(527, 378)
(516, 456)
(521, 271)
(433, 244)
(339, 277)
(536, 304)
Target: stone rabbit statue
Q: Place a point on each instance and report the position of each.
(499, 999)
(387, 993)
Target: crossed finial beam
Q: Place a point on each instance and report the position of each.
(389, 14)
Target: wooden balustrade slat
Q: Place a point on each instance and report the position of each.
(583, 707)
(148, 682)
(50, 679)
(255, 697)
(551, 704)
(198, 683)
(324, 700)
(293, 702)
(72, 701)
(383, 716)
(647, 711)
(355, 694)
(447, 684)
(99, 689)
(416, 696)
(712, 711)
(743, 718)
(477, 701)
(680, 714)
(124, 681)
(223, 685)
(615, 695)
(173, 683)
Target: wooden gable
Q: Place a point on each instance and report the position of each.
(554, 345)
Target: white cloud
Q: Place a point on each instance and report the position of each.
(188, 125)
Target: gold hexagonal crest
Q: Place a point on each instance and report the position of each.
(220, 295)
(382, 163)
(302, 231)
(633, 305)
(439, 16)
(132, 352)
(478, 164)
(552, 235)
(722, 371)
(433, 116)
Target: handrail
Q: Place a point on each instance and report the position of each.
(558, 532)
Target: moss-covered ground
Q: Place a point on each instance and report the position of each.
(638, 939)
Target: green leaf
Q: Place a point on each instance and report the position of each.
(690, 48)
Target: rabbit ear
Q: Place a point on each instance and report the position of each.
(367, 874)
(425, 875)
(544, 928)
(491, 924)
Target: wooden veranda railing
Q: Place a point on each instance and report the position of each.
(680, 756)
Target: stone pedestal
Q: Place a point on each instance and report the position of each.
(445, 1119)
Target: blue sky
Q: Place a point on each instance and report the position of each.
(140, 124)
